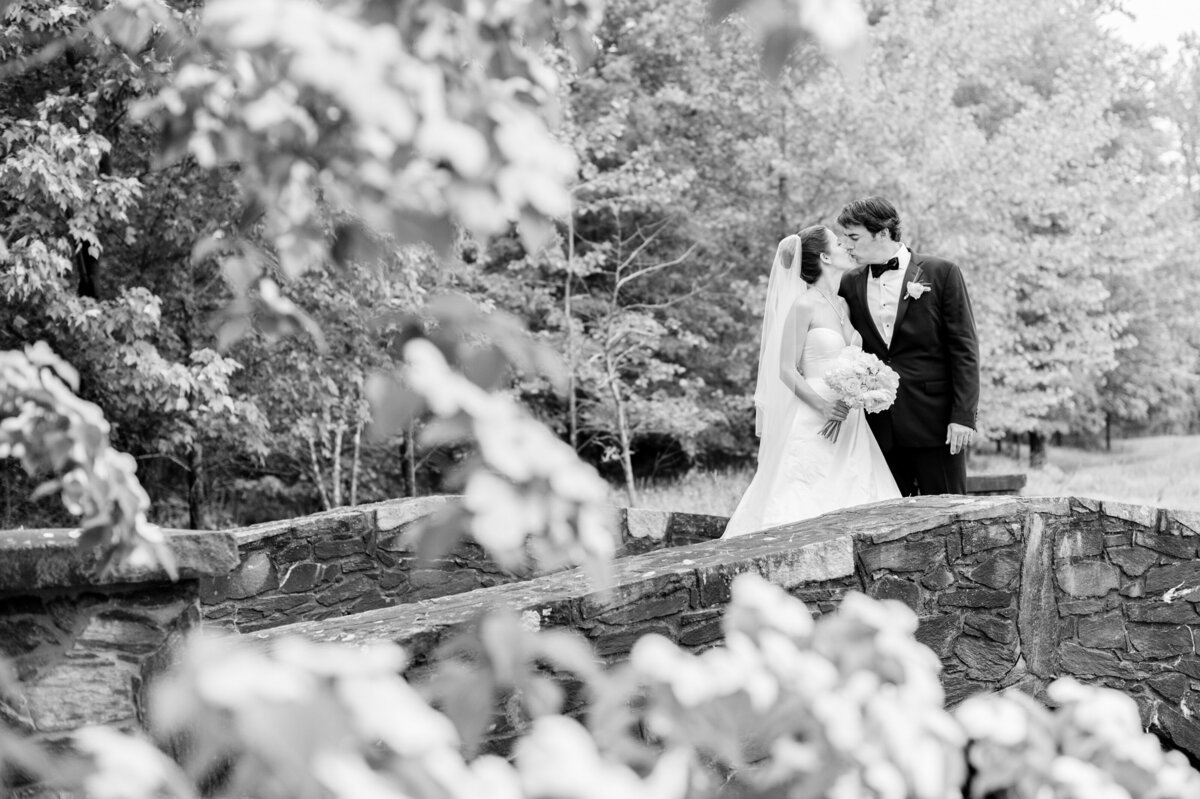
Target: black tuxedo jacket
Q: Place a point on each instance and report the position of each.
(934, 350)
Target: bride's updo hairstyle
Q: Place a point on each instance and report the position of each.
(785, 253)
(814, 242)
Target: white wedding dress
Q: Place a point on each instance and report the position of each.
(801, 474)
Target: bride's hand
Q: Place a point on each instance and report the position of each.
(835, 410)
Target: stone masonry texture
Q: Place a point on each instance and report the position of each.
(351, 560)
(1010, 592)
(85, 644)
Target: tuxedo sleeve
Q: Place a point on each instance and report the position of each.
(962, 348)
(845, 290)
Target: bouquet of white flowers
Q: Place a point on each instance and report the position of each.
(860, 380)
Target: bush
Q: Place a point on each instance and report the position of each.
(845, 707)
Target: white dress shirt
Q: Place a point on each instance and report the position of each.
(883, 294)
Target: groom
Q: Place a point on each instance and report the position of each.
(913, 312)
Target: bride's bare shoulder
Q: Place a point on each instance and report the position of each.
(804, 300)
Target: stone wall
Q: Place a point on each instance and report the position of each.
(1104, 592)
(354, 559)
(84, 644)
(680, 592)
(1010, 592)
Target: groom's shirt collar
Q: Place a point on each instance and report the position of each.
(903, 256)
(883, 294)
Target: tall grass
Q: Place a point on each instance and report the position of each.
(715, 493)
(1163, 471)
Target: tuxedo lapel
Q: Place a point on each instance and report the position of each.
(911, 274)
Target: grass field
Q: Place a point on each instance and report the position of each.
(1163, 471)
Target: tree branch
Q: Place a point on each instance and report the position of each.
(696, 290)
(657, 267)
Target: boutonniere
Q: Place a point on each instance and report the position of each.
(915, 290)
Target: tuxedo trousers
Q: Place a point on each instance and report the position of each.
(928, 470)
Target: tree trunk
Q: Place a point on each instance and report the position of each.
(195, 493)
(623, 437)
(785, 226)
(335, 479)
(87, 269)
(410, 454)
(87, 264)
(1108, 432)
(358, 428)
(572, 408)
(1037, 450)
(405, 486)
(316, 471)
(783, 207)
(6, 520)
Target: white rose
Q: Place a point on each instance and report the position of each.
(915, 289)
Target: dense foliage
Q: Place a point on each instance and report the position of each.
(1034, 148)
(164, 235)
(846, 707)
(52, 433)
(186, 184)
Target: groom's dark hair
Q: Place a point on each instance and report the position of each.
(873, 213)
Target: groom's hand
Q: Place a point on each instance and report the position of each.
(958, 436)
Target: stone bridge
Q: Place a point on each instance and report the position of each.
(1010, 592)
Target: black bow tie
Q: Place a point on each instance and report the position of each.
(879, 269)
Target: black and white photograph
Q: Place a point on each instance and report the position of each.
(599, 399)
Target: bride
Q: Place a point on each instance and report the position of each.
(805, 326)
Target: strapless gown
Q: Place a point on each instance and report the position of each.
(804, 475)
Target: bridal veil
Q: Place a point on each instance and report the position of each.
(771, 395)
